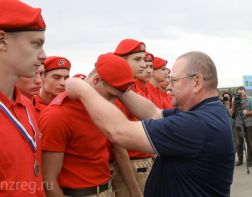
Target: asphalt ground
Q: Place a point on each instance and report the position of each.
(242, 182)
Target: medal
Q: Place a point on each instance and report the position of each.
(36, 168)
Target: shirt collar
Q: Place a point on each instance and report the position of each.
(206, 101)
(7, 102)
(140, 85)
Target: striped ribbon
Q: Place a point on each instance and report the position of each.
(21, 127)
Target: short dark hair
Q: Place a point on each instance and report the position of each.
(230, 95)
(240, 88)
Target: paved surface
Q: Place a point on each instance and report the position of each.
(242, 182)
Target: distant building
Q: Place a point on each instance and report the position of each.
(247, 82)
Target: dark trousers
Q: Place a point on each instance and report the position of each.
(240, 140)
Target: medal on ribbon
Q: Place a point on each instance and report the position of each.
(31, 140)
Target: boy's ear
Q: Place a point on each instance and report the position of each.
(96, 79)
(3, 39)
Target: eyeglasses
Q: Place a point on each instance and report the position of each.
(172, 80)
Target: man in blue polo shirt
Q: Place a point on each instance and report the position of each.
(193, 141)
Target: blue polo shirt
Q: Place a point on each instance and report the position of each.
(195, 152)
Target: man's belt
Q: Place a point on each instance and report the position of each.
(139, 158)
(143, 169)
(78, 192)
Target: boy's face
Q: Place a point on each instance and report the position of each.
(54, 81)
(25, 52)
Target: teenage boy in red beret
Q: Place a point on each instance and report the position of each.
(165, 91)
(144, 78)
(75, 151)
(56, 72)
(163, 85)
(160, 73)
(31, 86)
(21, 52)
(133, 52)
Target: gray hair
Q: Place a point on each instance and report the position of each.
(200, 63)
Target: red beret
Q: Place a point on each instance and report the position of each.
(81, 76)
(159, 62)
(129, 46)
(148, 57)
(18, 16)
(54, 62)
(115, 71)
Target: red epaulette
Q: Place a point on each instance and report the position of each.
(58, 100)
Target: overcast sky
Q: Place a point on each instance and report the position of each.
(81, 30)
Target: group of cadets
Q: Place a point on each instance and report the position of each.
(76, 154)
(46, 134)
(75, 151)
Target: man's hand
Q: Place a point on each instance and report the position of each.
(245, 112)
(113, 91)
(227, 103)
